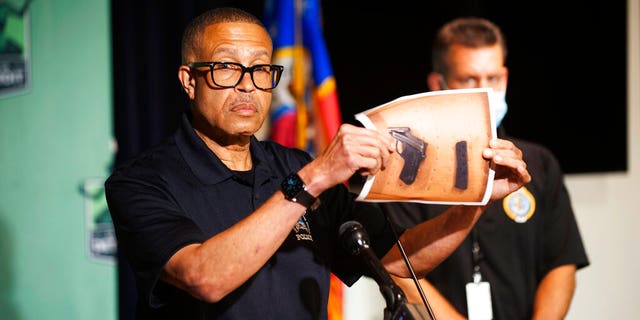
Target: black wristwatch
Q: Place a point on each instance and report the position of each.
(295, 190)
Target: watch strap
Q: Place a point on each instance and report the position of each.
(295, 190)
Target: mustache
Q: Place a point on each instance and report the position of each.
(243, 100)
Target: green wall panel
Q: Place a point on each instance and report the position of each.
(53, 138)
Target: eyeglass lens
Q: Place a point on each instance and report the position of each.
(230, 75)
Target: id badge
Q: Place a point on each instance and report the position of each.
(479, 301)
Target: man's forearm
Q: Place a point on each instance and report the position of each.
(554, 293)
(440, 306)
(430, 242)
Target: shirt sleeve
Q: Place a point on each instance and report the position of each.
(347, 267)
(149, 225)
(562, 242)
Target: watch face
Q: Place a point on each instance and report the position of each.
(291, 186)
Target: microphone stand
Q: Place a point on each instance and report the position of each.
(413, 274)
(396, 303)
(356, 241)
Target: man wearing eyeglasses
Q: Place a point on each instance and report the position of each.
(219, 225)
(520, 259)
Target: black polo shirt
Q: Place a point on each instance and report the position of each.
(180, 193)
(521, 239)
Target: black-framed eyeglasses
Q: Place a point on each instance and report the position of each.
(229, 74)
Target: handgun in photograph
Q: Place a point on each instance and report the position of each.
(412, 149)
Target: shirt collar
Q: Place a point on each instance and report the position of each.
(206, 165)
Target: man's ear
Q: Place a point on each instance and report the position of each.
(435, 81)
(187, 81)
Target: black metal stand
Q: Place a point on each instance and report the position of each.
(396, 303)
(356, 241)
(413, 274)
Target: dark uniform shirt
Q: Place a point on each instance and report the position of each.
(180, 193)
(521, 238)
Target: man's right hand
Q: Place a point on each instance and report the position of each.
(352, 150)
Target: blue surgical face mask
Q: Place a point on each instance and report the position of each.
(498, 105)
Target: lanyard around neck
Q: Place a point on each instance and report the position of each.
(476, 255)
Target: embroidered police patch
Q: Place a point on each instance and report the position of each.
(302, 229)
(519, 205)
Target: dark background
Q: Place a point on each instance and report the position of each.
(567, 67)
(567, 81)
(567, 71)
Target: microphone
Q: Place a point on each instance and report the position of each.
(355, 240)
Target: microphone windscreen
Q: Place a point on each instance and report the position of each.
(353, 237)
(349, 227)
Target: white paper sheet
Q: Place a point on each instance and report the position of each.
(440, 136)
